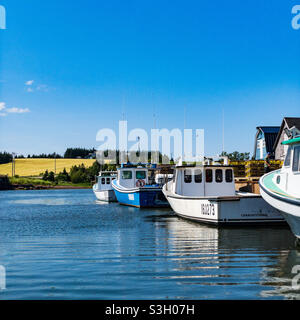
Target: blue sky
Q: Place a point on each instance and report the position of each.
(70, 68)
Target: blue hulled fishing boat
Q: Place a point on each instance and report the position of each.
(135, 186)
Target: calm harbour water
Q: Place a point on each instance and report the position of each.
(60, 244)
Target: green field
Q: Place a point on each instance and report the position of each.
(34, 167)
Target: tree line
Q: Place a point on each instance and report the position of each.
(77, 174)
(237, 156)
(73, 153)
(5, 157)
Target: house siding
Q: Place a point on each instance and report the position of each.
(279, 151)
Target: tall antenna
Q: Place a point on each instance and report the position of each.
(123, 119)
(139, 145)
(184, 127)
(154, 118)
(223, 131)
(123, 108)
(154, 152)
(154, 112)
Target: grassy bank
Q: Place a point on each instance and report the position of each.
(34, 167)
(34, 182)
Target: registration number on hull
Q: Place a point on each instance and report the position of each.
(208, 209)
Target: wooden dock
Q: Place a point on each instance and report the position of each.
(247, 184)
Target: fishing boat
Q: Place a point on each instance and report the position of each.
(207, 194)
(103, 189)
(135, 186)
(281, 188)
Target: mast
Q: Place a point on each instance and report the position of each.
(223, 131)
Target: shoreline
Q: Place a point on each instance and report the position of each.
(41, 187)
(246, 186)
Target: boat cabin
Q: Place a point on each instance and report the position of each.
(204, 181)
(104, 180)
(133, 176)
(288, 178)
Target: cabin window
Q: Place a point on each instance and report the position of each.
(187, 176)
(103, 180)
(198, 176)
(126, 175)
(219, 175)
(209, 175)
(140, 174)
(296, 159)
(287, 161)
(228, 175)
(107, 180)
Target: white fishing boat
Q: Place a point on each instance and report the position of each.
(103, 189)
(207, 194)
(281, 188)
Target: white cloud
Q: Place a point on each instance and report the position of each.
(6, 110)
(42, 87)
(17, 110)
(30, 86)
(29, 82)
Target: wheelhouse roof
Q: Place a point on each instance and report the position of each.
(291, 141)
(107, 173)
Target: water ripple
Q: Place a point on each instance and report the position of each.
(60, 244)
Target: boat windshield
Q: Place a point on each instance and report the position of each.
(187, 176)
(287, 161)
(209, 175)
(296, 159)
(229, 175)
(198, 176)
(127, 174)
(140, 174)
(219, 175)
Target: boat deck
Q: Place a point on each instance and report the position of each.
(267, 182)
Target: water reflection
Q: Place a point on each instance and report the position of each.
(61, 244)
(239, 256)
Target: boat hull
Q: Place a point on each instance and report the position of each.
(288, 206)
(240, 209)
(141, 197)
(105, 195)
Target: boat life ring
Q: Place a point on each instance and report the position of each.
(140, 183)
